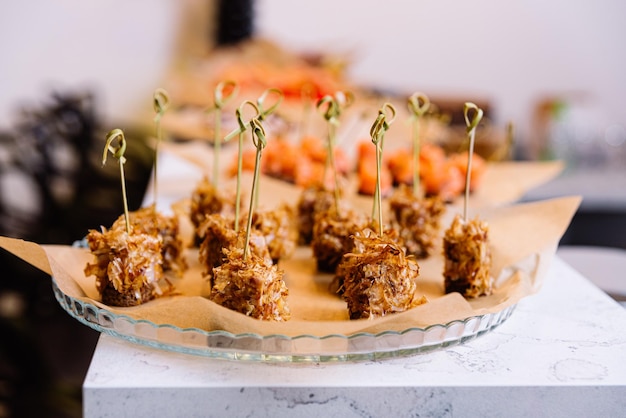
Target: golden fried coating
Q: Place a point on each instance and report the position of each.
(127, 267)
(378, 279)
(467, 258)
(417, 220)
(149, 221)
(253, 287)
(331, 237)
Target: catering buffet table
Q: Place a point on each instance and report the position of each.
(561, 353)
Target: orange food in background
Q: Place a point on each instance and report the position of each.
(366, 170)
(478, 167)
(293, 79)
(302, 163)
(439, 174)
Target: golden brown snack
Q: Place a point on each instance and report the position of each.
(149, 221)
(313, 200)
(378, 279)
(253, 287)
(331, 237)
(417, 220)
(467, 258)
(207, 200)
(279, 229)
(128, 267)
(218, 234)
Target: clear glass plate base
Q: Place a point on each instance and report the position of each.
(281, 348)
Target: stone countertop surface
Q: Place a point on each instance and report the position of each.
(561, 353)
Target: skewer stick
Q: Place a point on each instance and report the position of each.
(334, 106)
(263, 112)
(418, 105)
(473, 114)
(223, 93)
(331, 114)
(306, 96)
(242, 126)
(377, 132)
(259, 141)
(118, 152)
(161, 102)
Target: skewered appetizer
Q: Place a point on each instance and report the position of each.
(278, 228)
(217, 234)
(417, 220)
(378, 279)
(149, 221)
(313, 200)
(467, 258)
(128, 267)
(331, 237)
(252, 286)
(206, 200)
(245, 281)
(128, 262)
(466, 243)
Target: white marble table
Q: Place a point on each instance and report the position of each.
(561, 353)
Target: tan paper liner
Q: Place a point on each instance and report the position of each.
(523, 240)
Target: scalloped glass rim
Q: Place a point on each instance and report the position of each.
(281, 348)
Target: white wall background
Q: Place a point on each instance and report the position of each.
(511, 52)
(120, 48)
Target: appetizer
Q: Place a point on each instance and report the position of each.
(250, 285)
(149, 221)
(331, 237)
(128, 266)
(206, 200)
(313, 200)
(278, 228)
(416, 217)
(243, 280)
(128, 262)
(217, 234)
(417, 220)
(377, 277)
(466, 243)
(467, 258)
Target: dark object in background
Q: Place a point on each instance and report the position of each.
(235, 21)
(595, 227)
(54, 154)
(52, 190)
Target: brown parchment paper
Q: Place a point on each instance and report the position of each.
(523, 239)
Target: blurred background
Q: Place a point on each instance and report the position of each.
(72, 70)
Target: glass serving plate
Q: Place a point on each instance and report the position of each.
(281, 348)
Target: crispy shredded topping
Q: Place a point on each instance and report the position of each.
(313, 201)
(254, 287)
(378, 279)
(129, 264)
(417, 220)
(332, 237)
(149, 221)
(467, 258)
(278, 228)
(207, 200)
(218, 235)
